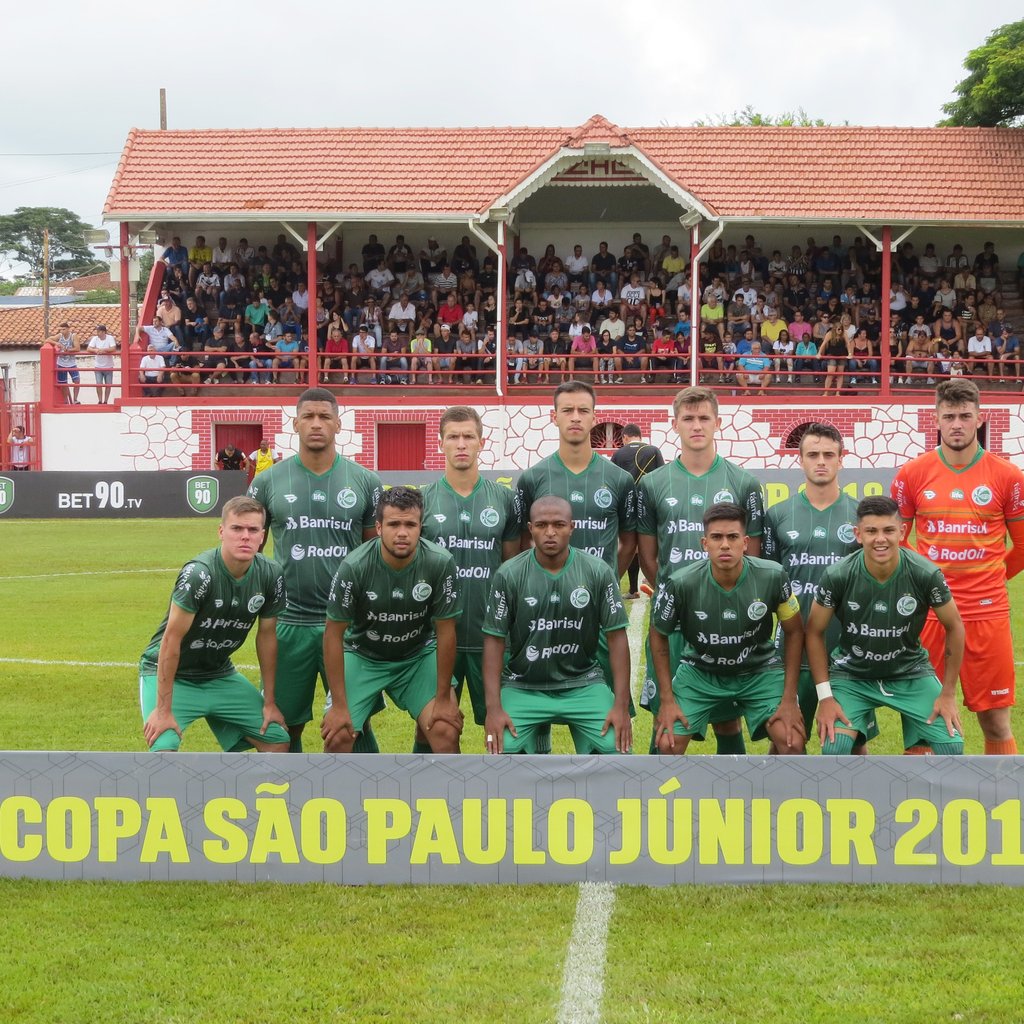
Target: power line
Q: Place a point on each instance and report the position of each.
(59, 174)
(93, 152)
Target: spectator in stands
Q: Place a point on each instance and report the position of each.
(207, 284)
(752, 370)
(402, 315)
(981, 353)
(583, 354)
(364, 347)
(957, 259)
(557, 348)
(862, 357)
(394, 357)
(576, 266)
(466, 363)
(198, 256)
(19, 444)
(519, 318)
(464, 257)
(602, 301)
(712, 315)
(631, 357)
(535, 369)
(664, 358)
(470, 320)
(488, 349)
(379, 280)
(411, 283)
(261, 358)
(450, 312)
(525, 284)
(337, 351)
(613, 324)
(372, 254)
(256, 312)
(487, 281)
(542, 319)
(67, 349)
(1008, 354)
(605, 357)
(806, 361)
(244, 255)
(515, 356)
(918, 356)
(432, 260)
(422, 365)
(633, 299)
(176, 255)
(988, 309)
(467, 290)
(489, 314)
(964, 282)
(444, 349)
(159, 336)
(445, 284)
(216, 360)
(783, 349)
(151, 372)
(833, 354)
(602, 268)
(400, 257)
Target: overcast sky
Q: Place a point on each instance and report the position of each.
(78, 82)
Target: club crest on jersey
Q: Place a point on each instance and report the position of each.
(489, 517)
(756, 610)
(981, 495)
(579, 598)
(956, 494)
(576, 496)
(845, 533)
(725, 495)
(422, 591)
(291, 498)
(818, 532)
(255, 603)
(318, 496)
(346, 497)
(906, 605)
(603, 497)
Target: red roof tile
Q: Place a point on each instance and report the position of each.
(22, 326)
(822, 174)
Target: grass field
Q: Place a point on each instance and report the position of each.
(79, 600)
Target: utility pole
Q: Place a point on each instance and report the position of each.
(46, 282)
(163, 110)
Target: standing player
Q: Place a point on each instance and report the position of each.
(391, 628)
(881, 596)
(602, 496)
(723, 608)
(320, 508)
(186, 672)
(963, 502)
(671, 503)
(811, 531)
(478, 522)
(638, 459)
(548, 606)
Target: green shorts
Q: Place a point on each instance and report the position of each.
(807, 695)
(705, 697)
(582, 708)
(411, 684)
(469, 672)
(232, 707)
(300, 661)
(913, 698)
(649, 694)
(605, 661)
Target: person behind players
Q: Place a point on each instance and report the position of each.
(881, 596)
(186, 672)
(547, 607)
(723, 607)
(670, 508)
(963, 503)
(637, 458)
(320, 508)
(479, 523)
(391, 629)
(810, 531)
(602, 495)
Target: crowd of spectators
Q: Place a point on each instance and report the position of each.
(813, 316)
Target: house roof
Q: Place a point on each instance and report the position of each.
(22, 327)
(879, 175)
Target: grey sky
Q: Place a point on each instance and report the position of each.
(317, 63)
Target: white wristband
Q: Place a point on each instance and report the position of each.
(824, 690)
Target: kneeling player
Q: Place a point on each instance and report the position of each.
(550, 604)
(881, 596)
(723, 608)
(186, 671)
(391, 629)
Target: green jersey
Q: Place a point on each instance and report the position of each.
(881, 622)
(472, 529)
(728, 632)
(225, 609)
(805, 541)
(671, 503)
(551, 621)
(603, 499)
(391, 612)
(316, 520)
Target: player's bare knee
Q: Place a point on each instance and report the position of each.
(443, 738)
(339, 746)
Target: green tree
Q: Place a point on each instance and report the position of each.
(750, 118)
(993, 92)
(21, 239)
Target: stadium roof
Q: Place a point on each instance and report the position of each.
(828, 174)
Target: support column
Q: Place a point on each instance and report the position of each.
(883, 341)
(127, 377)
(313, 369)
(694, 306)
(500, 362)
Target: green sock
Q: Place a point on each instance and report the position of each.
(295, 744)
(366, 742)
(420, 748)
(842, 744)
(952, 747)
(731, 744)
(543, 735)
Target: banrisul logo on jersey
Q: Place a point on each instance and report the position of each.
(6, 494)
(201, 493)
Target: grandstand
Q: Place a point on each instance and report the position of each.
(538, 248)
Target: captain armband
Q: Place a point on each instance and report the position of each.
(788, 609)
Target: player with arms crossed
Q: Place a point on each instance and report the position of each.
(478, 522)
(548, 606)
(602, 496)
(723, 608)
(881, 596)
(186, 671)
(671, 503)
(320, 508)
(963, 502)
(810, 531)
(391, 628)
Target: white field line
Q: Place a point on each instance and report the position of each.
(97, 572)
(636, 643)
(84, 664)
(583, 979)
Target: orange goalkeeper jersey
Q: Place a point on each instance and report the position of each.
(960, 516)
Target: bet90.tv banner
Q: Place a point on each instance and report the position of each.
(172, 495)
(471, 819)
(169, 495)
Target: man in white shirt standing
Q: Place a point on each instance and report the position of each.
(102, 346)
